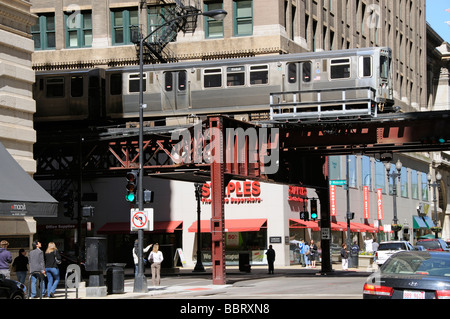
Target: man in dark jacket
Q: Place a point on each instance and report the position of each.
(37, 268)
(270, 258)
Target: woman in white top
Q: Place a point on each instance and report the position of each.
(156, 257)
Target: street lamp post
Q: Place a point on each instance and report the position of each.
(437, 184)
(199, 265)
(394, 175)
(140, 281)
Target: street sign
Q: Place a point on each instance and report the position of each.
(338, 182)
(141, 219)
(325, 233)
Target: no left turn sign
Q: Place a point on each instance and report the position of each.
(141, 219)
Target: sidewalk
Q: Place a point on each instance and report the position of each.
(184, 281)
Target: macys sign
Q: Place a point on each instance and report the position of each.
(236, 193)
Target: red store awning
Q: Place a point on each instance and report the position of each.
(231, 225)
(357, 227)
(124, 227)
(300, 223)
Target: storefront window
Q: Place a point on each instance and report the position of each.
(335, 167)
(366, 172)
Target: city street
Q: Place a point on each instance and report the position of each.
(287, 283)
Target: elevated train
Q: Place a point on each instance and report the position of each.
(233, 86)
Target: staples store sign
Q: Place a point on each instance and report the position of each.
(236, 193)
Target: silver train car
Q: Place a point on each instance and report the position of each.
(233, 86)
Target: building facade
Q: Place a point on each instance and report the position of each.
(80, 34)
(17, 134)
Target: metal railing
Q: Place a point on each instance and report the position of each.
(323, 103)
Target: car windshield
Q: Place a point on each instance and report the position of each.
(430, 244)
(419, 263)
(392, 246)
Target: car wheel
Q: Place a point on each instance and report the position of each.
(17, 296)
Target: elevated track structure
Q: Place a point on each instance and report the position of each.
(286, 151)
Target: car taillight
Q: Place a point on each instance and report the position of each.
(377, 290)
(443, 294)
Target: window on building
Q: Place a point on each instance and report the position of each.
(424, 186)
(213, 28)
(335, 167)
(380, 176)
(366, 172)
(158, 16)
(43, 32)
(352, 170)
(243, 17)
(404, 182)
(122, 22)
(414, 185)
(78, 29)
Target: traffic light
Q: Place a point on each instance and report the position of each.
(304, 216)
(68, 200)
(131, 186)
(350, 215)
(148, 196)
(314, 214)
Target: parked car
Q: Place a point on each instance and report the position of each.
(411, 275)
(11, 289)
(435, 244)
(419, 248)
(387, 248)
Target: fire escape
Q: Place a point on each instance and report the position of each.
(181, 16)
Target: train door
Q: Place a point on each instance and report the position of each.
(175, 95)
(298, 79)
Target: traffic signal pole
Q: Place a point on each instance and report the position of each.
(140, 281)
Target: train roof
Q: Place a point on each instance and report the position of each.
(255, 60)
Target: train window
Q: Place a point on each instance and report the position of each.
(168, 80)
(182, 78)
(212, 78)
(115, 85)
(55, 87)
(307, 72)
(292, 73)
(76, 86)
(365, 66)
(385, 63)
(236, 76)
(133, 82)
(340, 68)
(259, 74)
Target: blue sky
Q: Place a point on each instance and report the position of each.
(437, 16)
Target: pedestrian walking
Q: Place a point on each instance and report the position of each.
(20, 266)
(156, 257)
(52, 260)
(37, 268)
(344, 257)
(313, 253)
(302, 252)
(307, 253)
(5, 259)
(136, 256)
(270, 258)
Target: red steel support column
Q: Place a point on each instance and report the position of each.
(218, 198)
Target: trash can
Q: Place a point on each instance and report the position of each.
(244, 262)
(115, 278)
